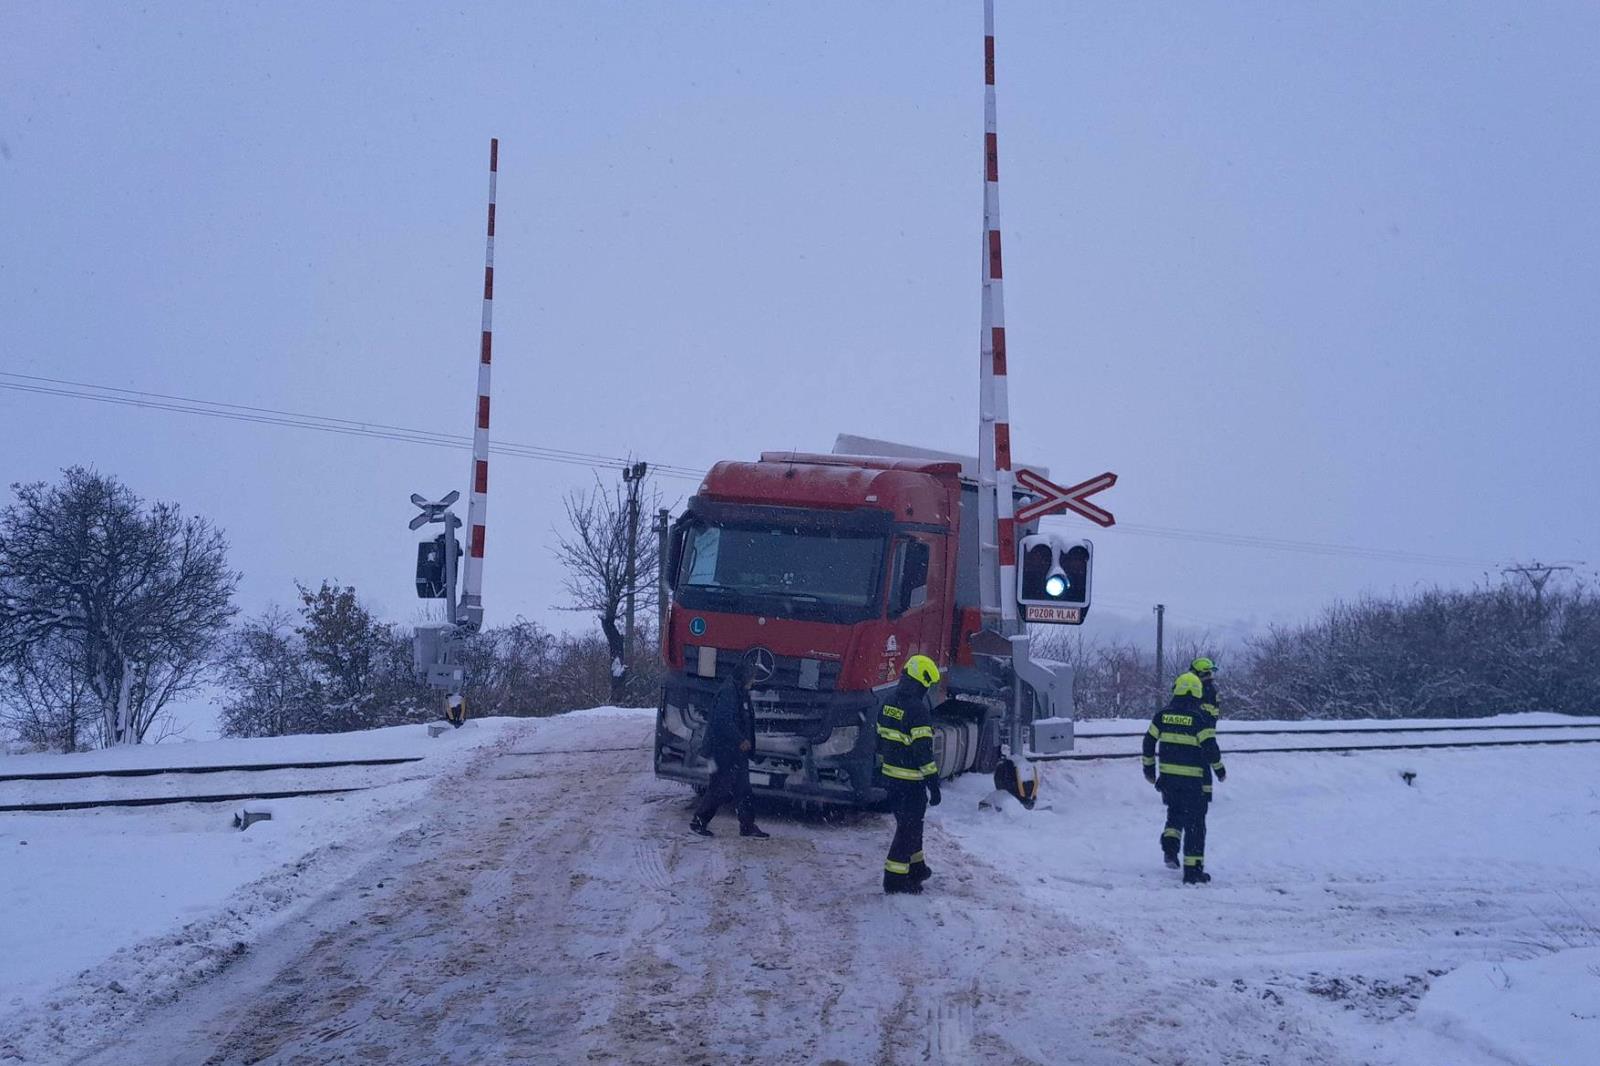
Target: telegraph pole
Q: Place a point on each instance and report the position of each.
(1538, 575)
(663, 530)
(1161, 669)
(632, 476)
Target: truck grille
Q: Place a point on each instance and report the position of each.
(811, 675)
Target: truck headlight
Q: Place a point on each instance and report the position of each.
(840, 742)
(672, 720)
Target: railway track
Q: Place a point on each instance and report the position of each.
(1464, 738)
(35, 806)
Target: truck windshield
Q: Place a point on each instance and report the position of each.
(810, 571)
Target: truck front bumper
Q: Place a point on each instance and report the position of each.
(833, 762)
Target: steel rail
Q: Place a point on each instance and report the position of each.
(156, 771)
(1358, 730)
(157, 801)
(1230, 752)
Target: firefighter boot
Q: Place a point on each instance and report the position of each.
(697, 826)
(1195, 874)
(753, 830)
(1169, 848)
(901, 883)
(920, 871)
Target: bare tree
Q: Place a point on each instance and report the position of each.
(44, 695)
(595, 554)
(144, 595)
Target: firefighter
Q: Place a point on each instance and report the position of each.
(1186, 732)
(730, 736)
(910, 776)
(1205, 670)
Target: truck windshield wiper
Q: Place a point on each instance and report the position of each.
(712, 586)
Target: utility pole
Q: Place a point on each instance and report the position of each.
(1538, 575)
(1161, 668)
(632, 476)
(663, 531)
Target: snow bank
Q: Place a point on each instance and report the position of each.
(1340, 889)
(1539, 1011)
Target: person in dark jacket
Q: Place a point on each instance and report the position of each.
(1186, 732)
(1205, 670)
(908, 772)
(730, 737)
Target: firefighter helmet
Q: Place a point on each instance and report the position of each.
(1187, 685)
(923, 669)
(1203, 666)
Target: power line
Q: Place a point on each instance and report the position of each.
(32, 383)
(1245, 540)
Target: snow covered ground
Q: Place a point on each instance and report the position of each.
(529, 894)
(77, 886)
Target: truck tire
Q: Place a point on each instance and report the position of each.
(988, 754)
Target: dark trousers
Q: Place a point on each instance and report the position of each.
(1186, 820)
(731, 782)
(908, 801)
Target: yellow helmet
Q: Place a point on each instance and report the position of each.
(1203, 665)
(1187, 685)
(923, 669)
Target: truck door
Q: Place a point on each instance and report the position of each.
(915, 596)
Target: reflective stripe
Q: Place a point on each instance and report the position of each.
(1173, 833)
(1155, 731)
(930, 769)
(1219, 766)
(924, 731)
(900, 773)
(1148, 760)
(1207, 734)
(893, 712)
(1169, 770)
(1193, 860)
(893, 734)
(1180, 738)
(917, 857)
(896, 867)
(1205, 788)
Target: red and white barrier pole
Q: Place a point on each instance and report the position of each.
(996, 519)
(478, 495)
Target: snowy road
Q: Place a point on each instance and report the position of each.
(552, 909)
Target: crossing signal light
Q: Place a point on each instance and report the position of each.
(431, 583)
(1053, 581)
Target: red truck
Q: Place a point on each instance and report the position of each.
(836, 568)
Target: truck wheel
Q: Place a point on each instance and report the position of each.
(987, 759)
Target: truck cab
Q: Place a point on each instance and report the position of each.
(832, 570)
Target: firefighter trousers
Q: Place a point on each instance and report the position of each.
(908, 802)
(1186, 821)
(728, 783)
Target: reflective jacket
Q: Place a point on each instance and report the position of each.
(905, 733)
(1186, 733)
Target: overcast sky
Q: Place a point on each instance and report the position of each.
(1324, 273)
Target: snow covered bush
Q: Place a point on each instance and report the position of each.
(332, 669)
